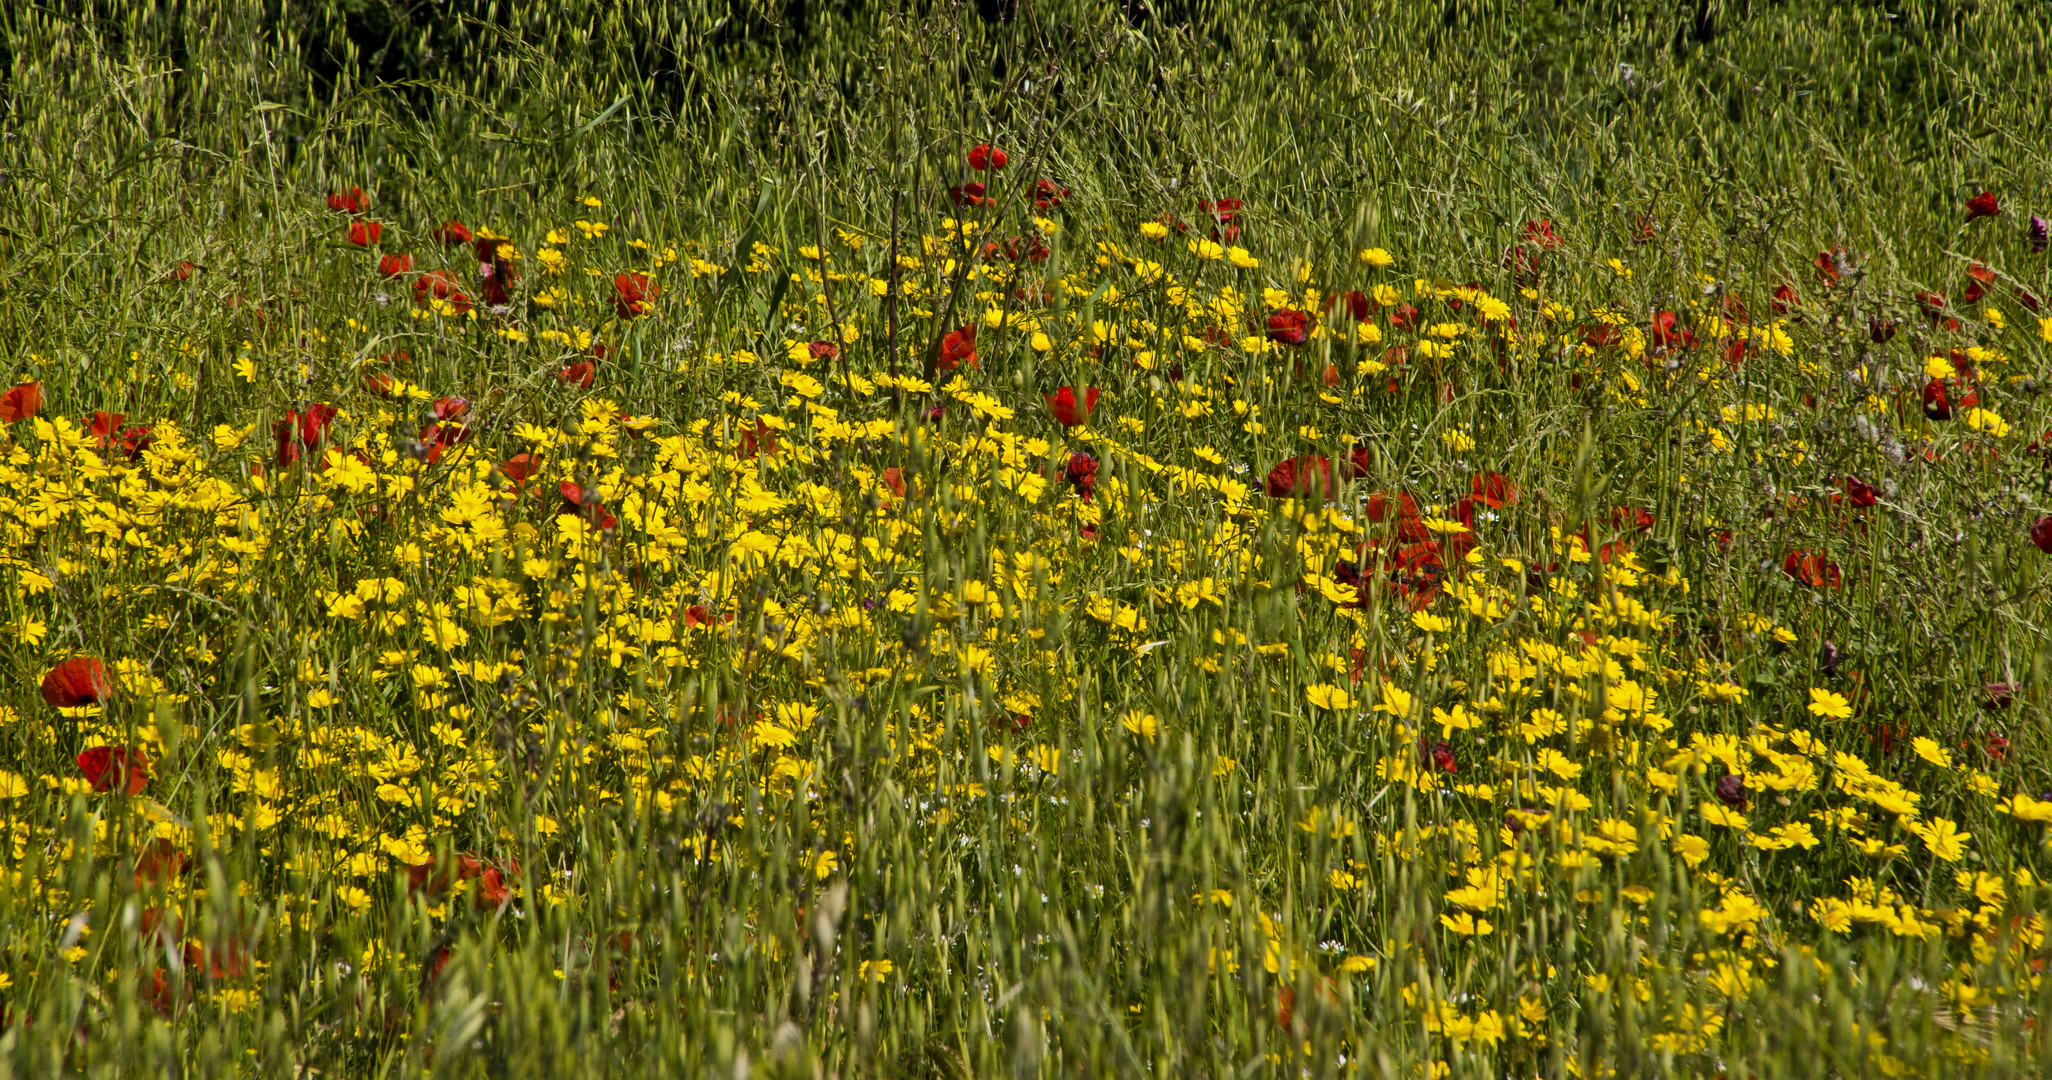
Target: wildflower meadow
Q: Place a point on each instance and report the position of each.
(1025, 538)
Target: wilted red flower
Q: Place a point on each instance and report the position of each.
(115, 768)
(353, 201)
(957, 348)
(395, 265)
(1731, 791)
(1540, 234)
(1982, 205)
(970, 194)
(438, 285)
(1812, 568)
(1068, 409)
(985, 157)
(1047, 194)
(2041, 534)
(1831, 264)
(1301, 475)
(81, 680)
(633, 295)
(1942, 396)
(182, 272)
(1879, 331)
(1632, 517)
(580, 374)
(365, 233)
(1644, 228)
(1860, 493)
(1494, 489)
(158, 862)
(452, 234)
(1404, 317)
(1933, 304)
(824, 350)
(1288, 326)
(21, 402)
(1785, 298)
(1601, 335)
(1081, 473)
(451, 408)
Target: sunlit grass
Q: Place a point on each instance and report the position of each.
(1040, 548)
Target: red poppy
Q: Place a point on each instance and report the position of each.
(1288, 326)
(585, 504)
(438, 285)
(1494, 489)
(697, 615)
(1601, 335)
(440, 437)
(395, 265)
(1632, 517)
(1812, 568)
(159, 862)
(1380, 506)
(894, 478)
(957, 348)
(762, 439)
(1067, 409)
(2028, 298)
(452, 234)
(381, 383)
(182, 272)
(1644, 228)
(1667, 332)
(81, 680)
(520, 468)
(353, 201)
(1047, 194)
(634, 295)
(110, 768)
(1784, 298)
(1973, 293)
(302, 431)
(580, 374)
(1982, 205)
(1933, 304)
(970, 194)
(365, 233)
(1404, 317)
(1879, 331)
(824, 350)
(21, 402)
(985, 157)
(1225, 212)
(1301, 475)
(2041, 534)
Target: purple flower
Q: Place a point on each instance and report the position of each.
(2039, 233)
(1731, 791)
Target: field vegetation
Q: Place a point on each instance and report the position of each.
(1441, 539)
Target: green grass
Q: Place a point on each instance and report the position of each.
(1143, 802)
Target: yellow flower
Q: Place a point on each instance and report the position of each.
(1378, 258)
(1154, 230)
(1466, 925)
(1930, 751)
(1327, 696)
(1142, 724)
(1207, 249)
(1943, 838)
(1240, 258)
(1827, 704)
